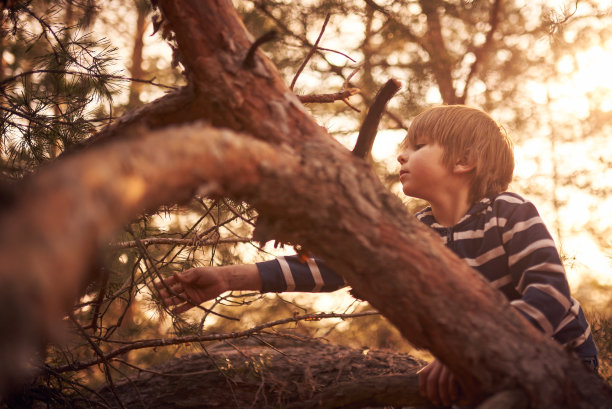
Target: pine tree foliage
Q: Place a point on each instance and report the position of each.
(59, 87)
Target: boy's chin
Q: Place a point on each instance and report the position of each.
(411, 193)
(408, 191)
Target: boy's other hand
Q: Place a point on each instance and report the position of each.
(192, 287)
(438, 384)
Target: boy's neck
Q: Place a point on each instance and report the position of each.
(448, 210)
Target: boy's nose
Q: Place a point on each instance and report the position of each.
(402, 157)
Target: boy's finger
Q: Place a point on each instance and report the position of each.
(174, 290)
(168, 300)
(423, 375)
(182, 277)
(432, 385)
(166, 282)
(454, 388)
(444, 386)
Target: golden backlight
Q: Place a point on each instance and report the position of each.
(589, 81)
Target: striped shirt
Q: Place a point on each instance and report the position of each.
(504, 238)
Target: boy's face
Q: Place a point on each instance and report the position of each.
(422, 172)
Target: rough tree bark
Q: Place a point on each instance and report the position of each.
(273, 372)
(307, 188)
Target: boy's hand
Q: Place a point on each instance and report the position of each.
(192, 287)
(438, 384)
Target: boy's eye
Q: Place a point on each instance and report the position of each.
(418, 146)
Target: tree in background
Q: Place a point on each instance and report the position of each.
(207, 230)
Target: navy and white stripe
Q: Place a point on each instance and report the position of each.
(290, 273)
(502, 237)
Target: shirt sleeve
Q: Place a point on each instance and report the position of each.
(536, 269)
(293, 273)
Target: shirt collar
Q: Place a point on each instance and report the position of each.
(427, 217)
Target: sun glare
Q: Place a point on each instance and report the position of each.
(594, 68)
(588, 85)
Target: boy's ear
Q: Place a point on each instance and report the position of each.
(463, 166)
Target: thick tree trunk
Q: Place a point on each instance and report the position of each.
(307, 188)
(136, 70)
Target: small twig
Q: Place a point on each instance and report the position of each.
(354, 108)
(369, 128)
(237, 212)
(143, 250)
(98, 302)
(351, 75)
(85, 74)
(310, 53)
(101, 358)
(75, 384)
(249, 60)
(324, 98)
(337, 52)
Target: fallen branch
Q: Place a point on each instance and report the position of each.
(375, 391)
(264, 372)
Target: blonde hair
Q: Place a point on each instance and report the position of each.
(470, 136)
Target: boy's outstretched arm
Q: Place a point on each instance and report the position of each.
(184, 290)
(189, 288)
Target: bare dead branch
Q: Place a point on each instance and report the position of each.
(310, 53)
(325, 98)
(249, 60)
(350, 76)
(369, 128)
(196, 242)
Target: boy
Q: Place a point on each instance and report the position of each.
(461, 161)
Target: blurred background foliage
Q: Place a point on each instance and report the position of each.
(70, 67)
